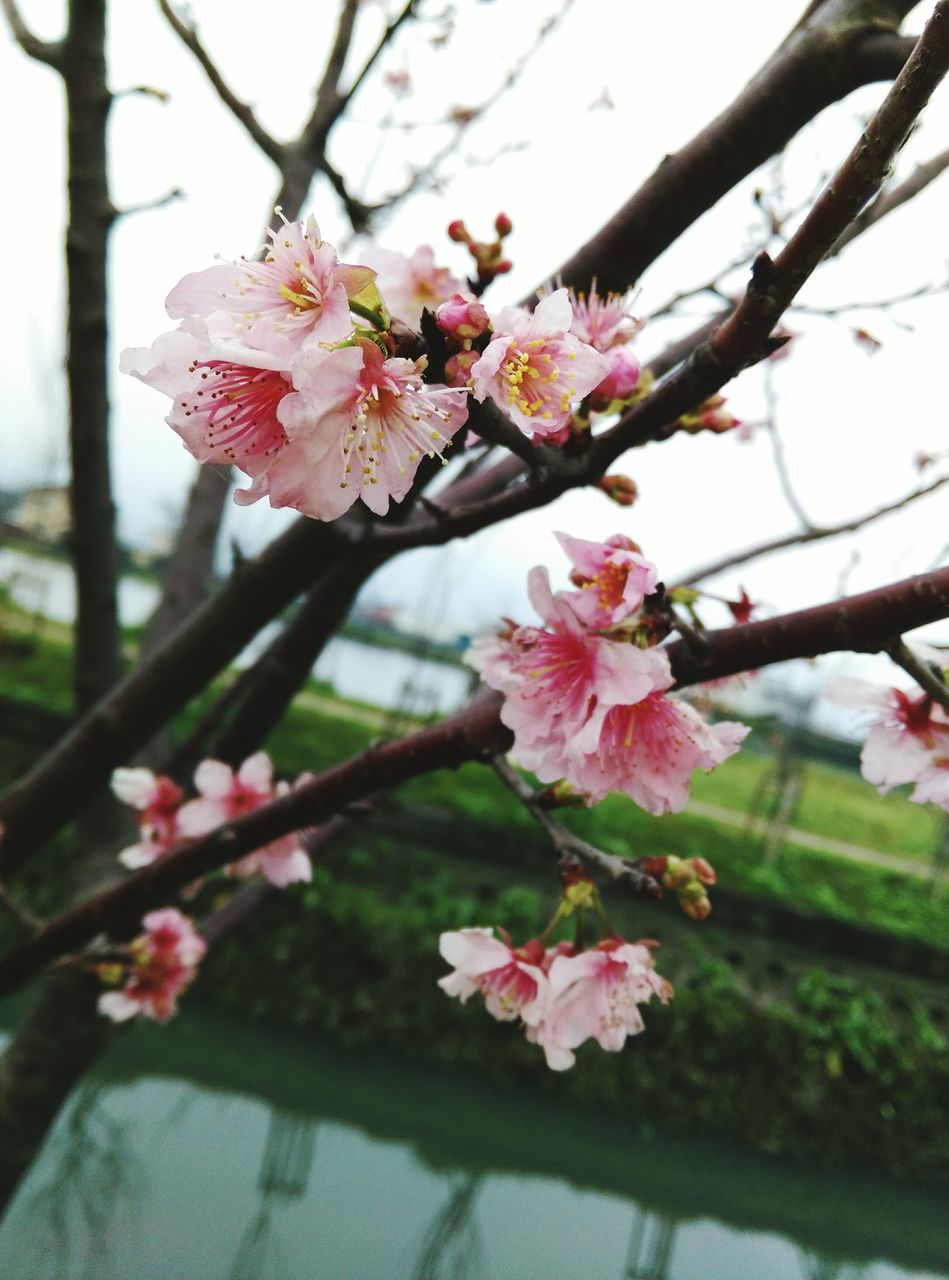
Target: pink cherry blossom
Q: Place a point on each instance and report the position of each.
(225, 396)
(597, 995)
(560, 682)
(413, 284)
(510, 979)
(908, 733)
(158, 800)
(463, 316)
(649, 750)
(604, 323)
(621, 381)
(299, 287)
(358, 427)
(614, 579)
(226, 795)
(162, 962)
(534, 369)
(933, 784)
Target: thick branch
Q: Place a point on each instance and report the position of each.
(115, 729)
(870, 622)
(925, 675)
(98, 661)
(841, 49)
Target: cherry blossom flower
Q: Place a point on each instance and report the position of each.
(358, 427)
(535, 369)
(933, 784)
(560, 683)
(226, 795)
(162, 962)
(649, 750)
(908, 733)
(603, 323)
(299, 288)
(614, 578)
(413, 284)
(225, 395)
(510, 979)
(597, 995)
(158, 801)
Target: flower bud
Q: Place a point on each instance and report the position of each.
(620, 382)
(463, 316)
(503, 225)
(458, 368)
(621, 489)
(458, 232)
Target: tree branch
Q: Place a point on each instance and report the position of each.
(867, 623)
(40, 50)
(924, 674)
(242, 112)
(814, 534)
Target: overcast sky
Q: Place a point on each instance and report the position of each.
(603, 101)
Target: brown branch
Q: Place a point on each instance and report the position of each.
(814, 534)
(406, 12)
(111, 733)
(623, 871)
(843, 48)
(866, 623)
(98, 658)
(924, 674)
(894, 197)
(242, 112)
(50, 52)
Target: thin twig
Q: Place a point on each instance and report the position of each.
(922, 672)
(623, 870)
(815, 534)
(777, 447)
(242, 111)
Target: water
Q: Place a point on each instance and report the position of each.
(212, 1151)
(387, 678)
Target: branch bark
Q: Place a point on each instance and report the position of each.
(870, 622)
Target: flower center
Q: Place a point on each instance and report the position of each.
(531, 377)
(240, 409)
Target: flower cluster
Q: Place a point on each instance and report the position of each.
(165, 818)
(585, 702)
(563, 996)
(155, 969)
(269, 370)
(908, 741)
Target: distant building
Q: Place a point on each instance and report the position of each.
(44, 512)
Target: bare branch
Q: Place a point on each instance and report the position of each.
(925, 675)
(894, 197)
(40, 50)
(240, 110)
(406, 12)
(147, 206)
(814, 534)
(777, 447)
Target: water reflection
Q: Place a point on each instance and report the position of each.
(91, 1167)
(650, 1247)
(284, 1176)
(415, 1174)
(453, 1248)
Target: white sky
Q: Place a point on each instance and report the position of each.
(851, 423)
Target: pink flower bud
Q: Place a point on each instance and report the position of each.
(458, 232)
(503, 225)
(458, 368)
(620, 382)
(462, 315)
